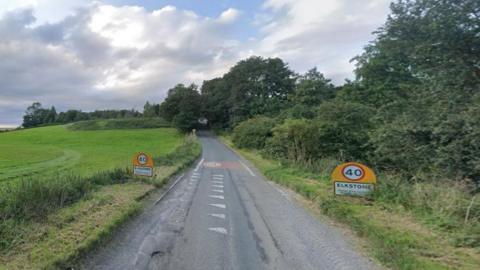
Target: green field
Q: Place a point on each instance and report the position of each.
(51, 150)
(65, 189)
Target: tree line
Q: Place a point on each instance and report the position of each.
(36, 115)
(413, 108)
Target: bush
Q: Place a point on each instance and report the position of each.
(35, 197)
(253, 133)
(343, 130)
(187, 151)
(295, 140)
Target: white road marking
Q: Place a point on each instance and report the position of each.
(195, 176)
(222, 216)
(218, 182)
(199, 164)
(218, 230)
(217, 190)
(217, 175)
(219, 186)
(217, 197)
(247, 168)
(219, 205)
(170, 188)
(196, 173)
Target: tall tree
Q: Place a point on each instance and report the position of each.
(182, 106)
(258, 86)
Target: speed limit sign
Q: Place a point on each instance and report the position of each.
(142, 165)
(353, 172)
(142, 159)
(353, 179)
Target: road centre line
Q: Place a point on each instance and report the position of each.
(218, 230)
(222, 216)
(219, 205)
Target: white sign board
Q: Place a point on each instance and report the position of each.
(142, 165)
(353, 189)
(143, 171)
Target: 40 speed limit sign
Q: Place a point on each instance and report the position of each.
(142, 165)
(353, 179)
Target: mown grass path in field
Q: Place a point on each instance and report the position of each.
(54, 150)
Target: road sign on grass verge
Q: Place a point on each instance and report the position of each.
(353, 179)
(143, 165)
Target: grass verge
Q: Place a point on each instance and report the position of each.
(392, 234)
(60, 235)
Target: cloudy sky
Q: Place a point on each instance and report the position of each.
(89, 55)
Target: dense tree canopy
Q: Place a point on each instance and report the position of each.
(182, 106)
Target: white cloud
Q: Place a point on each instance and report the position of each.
(229, 15)
(90, 55)
(326, 33)
(50, 11)
(108, 57)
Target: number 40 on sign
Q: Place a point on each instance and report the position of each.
(353, 179)
(142, 165)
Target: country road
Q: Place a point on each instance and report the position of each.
(223, 214)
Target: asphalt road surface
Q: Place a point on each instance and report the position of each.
(222, 214)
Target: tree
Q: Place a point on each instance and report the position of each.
(182, 106)
(422, 75)
(32, 115)
(215, 99)
(311, 90)
(258, 86)
(151, 110)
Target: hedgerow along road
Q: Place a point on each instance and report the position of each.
(222, 214)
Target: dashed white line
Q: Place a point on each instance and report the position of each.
(218, 230)
(217, 197)
(247, 168)
(217, 182)
(199, 164)
(219, 186)
(217, 190)
(219, 205)
(222, 216)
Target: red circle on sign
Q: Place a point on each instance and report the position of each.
(352, 164)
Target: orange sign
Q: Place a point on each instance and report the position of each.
(353, 179)
(143, 164)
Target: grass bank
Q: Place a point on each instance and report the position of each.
(48, 223)
(398, 236)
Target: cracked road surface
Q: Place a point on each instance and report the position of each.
(223, 214)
